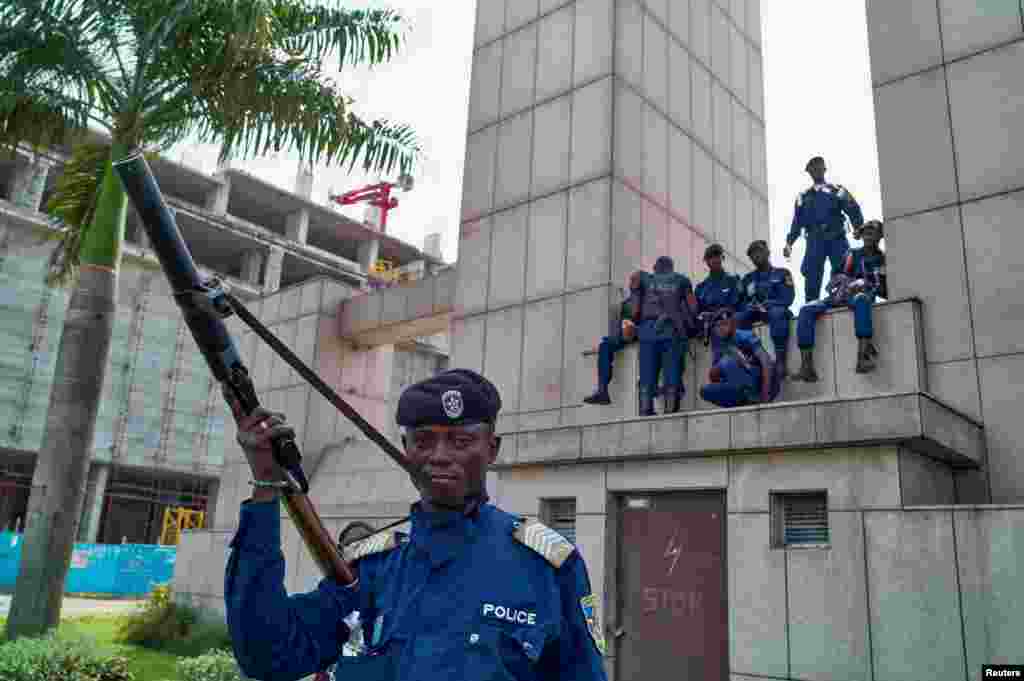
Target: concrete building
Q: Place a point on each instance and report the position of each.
(845, 531)
(160, 433)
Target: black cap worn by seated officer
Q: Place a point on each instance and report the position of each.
(816, 159)
(451, 398)
(714, 251)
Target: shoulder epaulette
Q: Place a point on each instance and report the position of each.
(378, 543)
(555, 548)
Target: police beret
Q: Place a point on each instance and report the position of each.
(816, 159)
(453, 397)
(714, 250)
(664, 264)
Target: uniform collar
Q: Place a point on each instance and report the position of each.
(443, 534)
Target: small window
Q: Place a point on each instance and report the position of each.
(560, 516)
(800, 519)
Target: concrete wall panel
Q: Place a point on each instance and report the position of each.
(519, 12)
(759, 170)
(912, 114)
(940, 280)
(554, 54)
(521, 489)
(655, 159)
(993, 269)
(828, 619)
(655, 63)
(629, 42)
(898, 340)
(545, 261)
(721, 110)
(969, 27)
(478, 179)
(702, 473)
(679, 21)
(627, 232)
(1002, 393)
(744, 217)
(551, 146)
(956, 384)
(490, 20)
(720, 48)
(903, 38)
(756, 71)
(725, 208)
(467, 350)
(586, 321)
(986, 96)
(502, 359)
(508, 257)
(679, 84)
(854, 478)
(591, 131)
(484, 89)
(912, 596)
(587, 262)
(542, 362)
(700, 30)
(630, 138)
(473, 266)
(923, 481)
(757, 599)
(655, 235)
(740, 141)
(593, 48)
(989, 545)
(515, 146)
(703, 192)
(701, 102)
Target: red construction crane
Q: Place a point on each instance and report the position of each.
(378, 195)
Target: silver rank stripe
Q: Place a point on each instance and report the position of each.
(369, 546)
(545, 541)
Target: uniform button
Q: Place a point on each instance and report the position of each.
(527, 645)
(473, 638)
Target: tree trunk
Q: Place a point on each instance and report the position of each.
(59, 481)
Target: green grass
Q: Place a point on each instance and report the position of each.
(147, 665)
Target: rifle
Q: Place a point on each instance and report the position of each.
(205, 305)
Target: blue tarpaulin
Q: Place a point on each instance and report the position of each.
(116, 570)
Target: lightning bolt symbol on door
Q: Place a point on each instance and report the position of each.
(673, 550)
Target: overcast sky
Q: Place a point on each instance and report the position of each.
(817, 102)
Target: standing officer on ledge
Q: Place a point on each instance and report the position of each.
(471, 593)
(819, 210)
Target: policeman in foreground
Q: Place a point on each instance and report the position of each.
(819, 211)
(668, 317)
(623, 334)
(719, 291)
(767, 294)
(742, 372)
(471, 593)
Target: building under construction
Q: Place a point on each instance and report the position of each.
(159, 440)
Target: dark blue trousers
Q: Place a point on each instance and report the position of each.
(739, 385)
(778, 323)
(661, 353)
(606, 351)
(813, 268)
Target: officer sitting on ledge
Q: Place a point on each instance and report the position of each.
(623, 335)
(767, 294)
(471, 593)
(719, 291)
(743, 372)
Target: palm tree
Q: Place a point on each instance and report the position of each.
(148, 73)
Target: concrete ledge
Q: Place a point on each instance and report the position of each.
(914, 420)
(400, 313)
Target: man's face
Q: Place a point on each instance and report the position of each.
(726, 328)
(817, 171)
(452, 460)
(714, 263)
(871, 237)
(759, 256)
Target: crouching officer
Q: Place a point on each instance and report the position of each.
(819, 211)
(668, 317)
(742, 374)
(623, 334)
(719, 291)
(471, 593)
(767, 294)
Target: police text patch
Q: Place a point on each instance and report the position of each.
(513, 615)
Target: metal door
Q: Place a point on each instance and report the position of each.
(672, 588)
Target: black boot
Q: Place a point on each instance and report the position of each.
(600, 396)
(780, 365)
(646, 401)
(672, 399)
(865, 358)
(807, 372)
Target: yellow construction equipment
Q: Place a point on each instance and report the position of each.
(178, 519)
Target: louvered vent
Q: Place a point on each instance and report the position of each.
(560, 516)
(801, 519)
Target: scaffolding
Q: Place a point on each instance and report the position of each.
(176, 520)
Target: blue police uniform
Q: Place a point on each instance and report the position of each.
(773, 290)
(480, 595)
(667, 309)
(718, 291)
(741, 373)
(819, 211)
(609, 346)
(870, 268)
(837, 297)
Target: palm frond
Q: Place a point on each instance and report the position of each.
(73, 206)
(381, 145)
(356, 37)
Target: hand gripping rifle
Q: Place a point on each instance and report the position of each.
(205, 304)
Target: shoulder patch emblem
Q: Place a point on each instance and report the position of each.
(589, 607)
(555, 548)
(367, 547)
